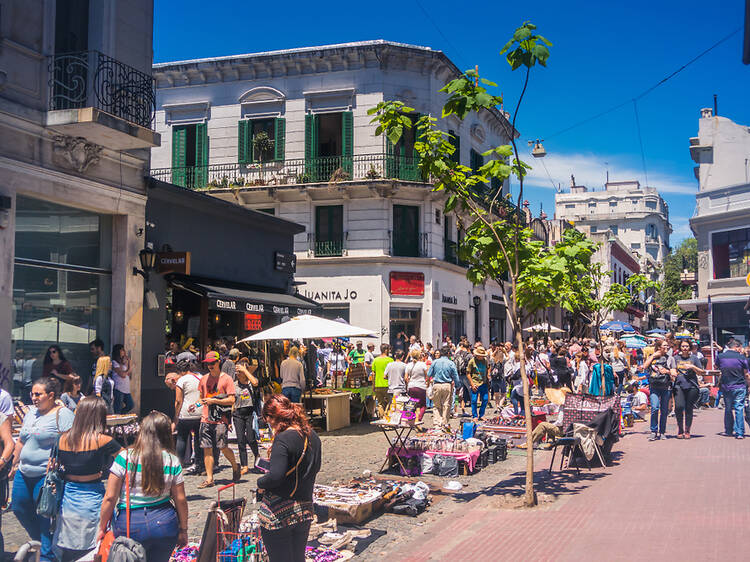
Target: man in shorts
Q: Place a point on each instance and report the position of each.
(217, 396)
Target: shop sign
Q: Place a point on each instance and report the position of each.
(332, 295)
(234, 305)
(285, 262)
(498, 298)
(253, 322)
(448, 299)
(407, 283)
(224, 304)
(173, 262)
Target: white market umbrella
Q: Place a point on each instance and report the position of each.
(51, 330)
(543, 327)
(310, 327)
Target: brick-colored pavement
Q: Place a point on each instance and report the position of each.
(665, 500)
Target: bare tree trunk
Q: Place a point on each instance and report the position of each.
(530, 498)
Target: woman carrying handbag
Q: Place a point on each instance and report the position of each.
(286, 508)
(152, 508)
(39, 434)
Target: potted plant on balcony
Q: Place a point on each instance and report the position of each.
(263, 146)
(372, 173)
(339, 174)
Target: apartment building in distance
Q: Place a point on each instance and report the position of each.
(287, 133)
(637, 215)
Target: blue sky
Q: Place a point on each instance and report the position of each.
(604, 53)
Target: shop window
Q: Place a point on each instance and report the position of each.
(329, 230)
(61, 285)
(453, 324)
(406, 231)
(404, 323)
(730, 253)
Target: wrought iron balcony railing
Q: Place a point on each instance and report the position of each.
(286, 172)
(329, 248)
(93, 79)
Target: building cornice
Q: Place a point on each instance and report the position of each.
(389, 261)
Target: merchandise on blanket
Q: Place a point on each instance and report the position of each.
(333, 495)
(410, 409)
(188, 553)
(243, 549)
(411, 500)
(441, 442)
(314, 554)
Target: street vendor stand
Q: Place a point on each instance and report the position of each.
(401, 432)
(334, 407)
(309, 327)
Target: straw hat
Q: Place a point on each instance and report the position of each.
(479, 351)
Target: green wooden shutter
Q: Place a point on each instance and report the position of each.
(456, 142)
(179, 137)
(410, 161)
(311, 147)
(201, 155)
(390, 159)
(347, 141)
(279, 138)
(243, 138)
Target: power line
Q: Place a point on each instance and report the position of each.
(647, 90)
(640, 140)
(549, 175)
(440, 31)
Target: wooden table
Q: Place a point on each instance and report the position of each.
(335, 405)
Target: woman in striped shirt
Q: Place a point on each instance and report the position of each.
(156, 482)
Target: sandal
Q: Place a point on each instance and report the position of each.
(680, 436)
(687, 435)
(206, 484)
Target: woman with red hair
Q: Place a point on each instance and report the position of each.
(286, 507)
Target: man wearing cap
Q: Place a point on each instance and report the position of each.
(444, 377)
(357, 355)
(217, 396)
(229, 366)
(476, 372)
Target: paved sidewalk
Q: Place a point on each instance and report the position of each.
(665, 500)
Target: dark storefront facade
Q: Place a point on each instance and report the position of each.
(229, 284)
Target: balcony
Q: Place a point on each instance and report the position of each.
(288, 172)
(328, 248)
(94, 96)
(451, 253)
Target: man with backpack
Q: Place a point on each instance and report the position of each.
(463, 356)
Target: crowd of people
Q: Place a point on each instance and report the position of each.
(105, 484)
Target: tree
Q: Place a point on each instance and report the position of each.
(498, 244)
(685, 257)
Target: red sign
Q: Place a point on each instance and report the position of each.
(253, 323)
(407, 283)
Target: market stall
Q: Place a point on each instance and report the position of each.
(334, 405)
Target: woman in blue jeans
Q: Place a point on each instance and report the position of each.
(42, 427)
(660, 367)
(155, 479)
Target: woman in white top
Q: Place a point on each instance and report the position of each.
(416, 380)
(581, 382)
(121, 373)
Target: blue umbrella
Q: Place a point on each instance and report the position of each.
(617, 326)
(656, 331)
(634, 343)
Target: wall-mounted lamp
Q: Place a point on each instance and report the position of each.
(179, 316)
(477, 301)
(147, 257)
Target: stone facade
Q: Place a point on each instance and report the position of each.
(60, 150)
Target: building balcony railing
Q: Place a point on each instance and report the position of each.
(93, 79)
(328, 248)
(297, 171)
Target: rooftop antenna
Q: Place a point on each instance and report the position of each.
(606, 165)
(716, 106)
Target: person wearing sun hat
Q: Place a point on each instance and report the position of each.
(476, 372)
(217, 396)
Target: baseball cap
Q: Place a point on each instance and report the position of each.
(212, 357)
(234, 353)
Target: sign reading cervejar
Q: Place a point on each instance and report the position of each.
(173, 262)
(407, 283)
(240, 305)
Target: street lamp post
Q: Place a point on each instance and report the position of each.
(477, 302)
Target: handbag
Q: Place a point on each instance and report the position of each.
(125, 548)
(274, 507)
(50, 494)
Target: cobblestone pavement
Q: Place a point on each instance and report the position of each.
(346, 453)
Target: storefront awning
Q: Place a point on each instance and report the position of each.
(234, 299)
(690, 305)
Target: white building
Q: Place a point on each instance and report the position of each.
(287, 132)
(76, 109)
(721, 225)
(637, 215)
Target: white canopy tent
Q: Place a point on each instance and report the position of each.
(310, 327)
(51, 330)
(543, 327)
